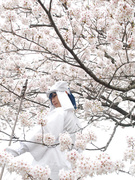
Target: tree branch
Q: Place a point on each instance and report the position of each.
(82, 66)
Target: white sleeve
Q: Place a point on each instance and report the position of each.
(72, 123)
(54, 126)
(17, 149)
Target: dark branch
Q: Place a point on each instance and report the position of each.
(87, 70)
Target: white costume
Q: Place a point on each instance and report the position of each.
(60, 120)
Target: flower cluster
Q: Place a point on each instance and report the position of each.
(6, 98)
(5, 157)
(118, 165)
(47, 138)
(130, 142)
(41, 118)
(104, 164)
(67, 175)
(19, 166)
(65, 141)
(23, 168)
(85, 166)
(124, 12)
(25, 120)
(81, 166)
(91, 136)
(129, 154)
(72, 157)
(132, 170)
(131, 42)
(80, 142)
(82, 139)
(92, 106)
(41, 173)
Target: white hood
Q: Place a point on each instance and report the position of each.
(61, 88)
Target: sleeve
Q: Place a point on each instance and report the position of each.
(54, 126)
(72, 123)
(17, 149)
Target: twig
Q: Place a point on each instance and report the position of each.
(114, 131)
(13, 130)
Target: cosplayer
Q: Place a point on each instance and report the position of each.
(60, 119)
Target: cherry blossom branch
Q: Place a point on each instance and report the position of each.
(104, 148)
(87, 70)
(30, 100)
(18, 49)
(22, 97)
(40, 25)
(115, 106)
(110, 139)
(13, 130)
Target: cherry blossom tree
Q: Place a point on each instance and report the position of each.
(91, 45)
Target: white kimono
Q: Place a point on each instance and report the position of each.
(59, 121)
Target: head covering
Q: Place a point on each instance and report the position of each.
(65, 97)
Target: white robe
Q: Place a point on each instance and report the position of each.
(59, 121)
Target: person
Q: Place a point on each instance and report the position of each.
(60, 119)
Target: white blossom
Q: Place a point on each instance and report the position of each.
(129, 154)
(47, 138)
(65, 141)
(25, 119)
(132, 169)
(41, 118)
(21, 167)
(5, 157)
(72, 156)
(131, 142)
(81, 141)
(67, 175)
(86, 167)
